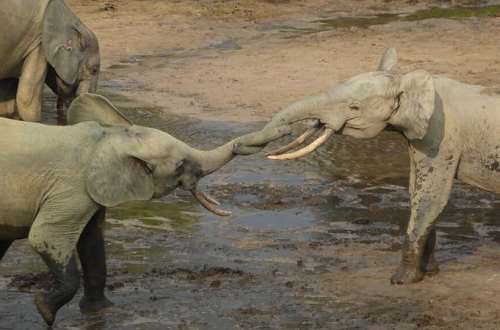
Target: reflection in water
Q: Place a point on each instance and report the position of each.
(177, 216)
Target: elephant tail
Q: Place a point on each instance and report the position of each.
(93, 107)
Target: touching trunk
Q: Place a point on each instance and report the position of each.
(212, 160)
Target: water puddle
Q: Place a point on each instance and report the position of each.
(436, 12)
(294, 29)
(178, 215)
(285, 220)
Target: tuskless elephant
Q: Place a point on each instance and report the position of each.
(57, 182)
(452, 128)
(42, 41)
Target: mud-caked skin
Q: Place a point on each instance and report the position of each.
(57, 181)
(452, 129)
(45, 43)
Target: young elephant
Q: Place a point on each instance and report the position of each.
(58, 180)
(42, 41)
(453, 131)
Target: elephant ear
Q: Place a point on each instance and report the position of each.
(65, 40)
(115, 175)
(416, 104)
(389, 60)
(93, 107)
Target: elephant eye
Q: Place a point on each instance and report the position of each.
(354, 107)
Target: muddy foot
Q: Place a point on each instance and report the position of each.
(89, 305)
(406, 276)
(44, 308)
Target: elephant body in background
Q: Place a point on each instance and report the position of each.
(58, 180)
(452, 129)
(43, 42)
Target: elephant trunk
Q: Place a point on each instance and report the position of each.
(307, 108)
(84, 87)
(209, 161)
(212, 160)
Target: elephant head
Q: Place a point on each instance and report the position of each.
(133, 162)
(362, 107)
(72, 51)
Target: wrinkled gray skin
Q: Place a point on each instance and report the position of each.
(453, 131)
(58, 180)
(45, 43)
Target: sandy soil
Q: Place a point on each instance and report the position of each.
(312, 244)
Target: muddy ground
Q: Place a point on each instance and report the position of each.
(311, 244)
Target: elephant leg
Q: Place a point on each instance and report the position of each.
(4, 246)
(93, 260)
(54, 235)
(30, 88)
(61, 111)
(67, 282)
(430, 264)
(430, 186)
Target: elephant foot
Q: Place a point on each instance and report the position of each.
(92, 305)
(44, 308)
(432, 268)
(405, 275)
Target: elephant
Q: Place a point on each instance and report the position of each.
(57, 182)
(44, 42)
(452, 129)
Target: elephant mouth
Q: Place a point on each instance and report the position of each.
(209, 203)
(283, 152)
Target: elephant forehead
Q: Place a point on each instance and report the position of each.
(150, 143)
(364, 85)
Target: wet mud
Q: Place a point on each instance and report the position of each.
(311, 243)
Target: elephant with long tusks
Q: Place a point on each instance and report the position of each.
(452, 129)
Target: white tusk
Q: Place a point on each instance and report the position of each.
(297, 142)
(306, 150)
(210, 198)
(204, 201)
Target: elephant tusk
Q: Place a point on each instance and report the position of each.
(298, 141)
(306, 150)
(209, 203)
(210, 199)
